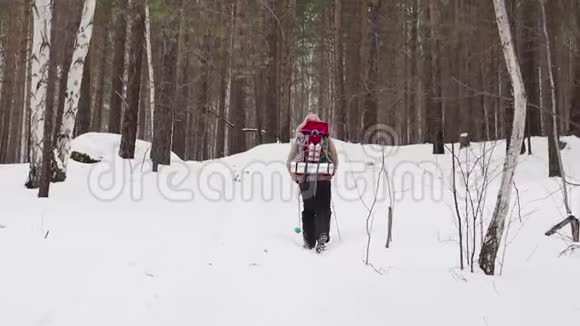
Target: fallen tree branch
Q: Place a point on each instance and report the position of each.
(575, 226)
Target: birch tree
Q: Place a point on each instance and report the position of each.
(434, 68)
(42, 20)
(74, 81)
(495, 230)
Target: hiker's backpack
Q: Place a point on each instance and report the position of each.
(314, 150)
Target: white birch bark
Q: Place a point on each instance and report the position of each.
(150, 67)
(496, 227)
(553, 106)
(74, 80)
(42, 21)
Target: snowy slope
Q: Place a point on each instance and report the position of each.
(213, 244)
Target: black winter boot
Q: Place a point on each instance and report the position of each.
(322, 241)
(308, 244)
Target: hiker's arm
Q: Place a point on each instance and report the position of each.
(333, 154)
(291, 155)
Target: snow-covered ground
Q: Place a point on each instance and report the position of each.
(213, 243)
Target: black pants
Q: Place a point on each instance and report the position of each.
(316, 213)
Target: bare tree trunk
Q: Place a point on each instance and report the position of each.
(83, 123)
(286, 48)
(24, 130)
(150, 69)
(224, 82)
(161, 148)
(422, 34)
(355, 47)
(495, 230)
(455, 201)
(74, 83)
(370, 117)
(259, 96)
(203, 97)
(340, 111)
(220, 139)
(237, 137)
(70, 16)
(273, 83)
(527, 45)
(237, 116)
(101, 49)
(575, 102)
(120, 31)
(412, 77)
(554, 134)
(97, 114)
(546, 99)
(575, 97)
(434, 102)
(553, 149)
(2, 60)
(180, 113)
(143, 101)
(55, 71)
(11, 92)
(228, 83)
(42, 16)
(15, 139)
(136, 22)
(485, 67)
(324, 70)
(8, 90)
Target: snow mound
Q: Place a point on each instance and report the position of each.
(104, 146)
